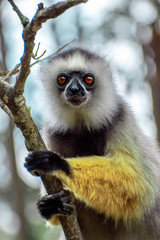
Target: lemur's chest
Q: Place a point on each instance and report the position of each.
(85, 143)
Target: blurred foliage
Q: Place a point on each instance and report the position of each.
(127, 32)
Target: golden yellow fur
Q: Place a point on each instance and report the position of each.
(54, 220)
(114, 186)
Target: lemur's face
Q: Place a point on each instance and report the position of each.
(75, 86)
(78, 89)
(78, 80)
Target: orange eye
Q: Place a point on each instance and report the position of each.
(89, 80)
(61, 80)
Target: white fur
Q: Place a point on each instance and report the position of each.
(100, 104)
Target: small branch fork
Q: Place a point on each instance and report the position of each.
(13, 102)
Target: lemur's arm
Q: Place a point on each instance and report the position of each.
(115, 186)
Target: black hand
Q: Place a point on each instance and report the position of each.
(45, 161)
(55, 204)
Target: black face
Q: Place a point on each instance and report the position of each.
(75, 85)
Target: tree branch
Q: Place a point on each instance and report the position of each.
(13, 99)
(24, 20)
(16, 103)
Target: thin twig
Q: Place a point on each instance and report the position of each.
(6, 109)
(53, 54)
(24, 20)
(36, 58)
(6, 89)
(12, 72)
(3, 73)
(61, 48)
(36, 53)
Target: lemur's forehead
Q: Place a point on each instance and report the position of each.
(74, 62)
(77, 62)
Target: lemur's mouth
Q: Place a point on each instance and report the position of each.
(76, 99)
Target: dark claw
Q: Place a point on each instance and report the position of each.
(45, 161)
(55, 204)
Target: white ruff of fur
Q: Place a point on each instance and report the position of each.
(100, 105)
